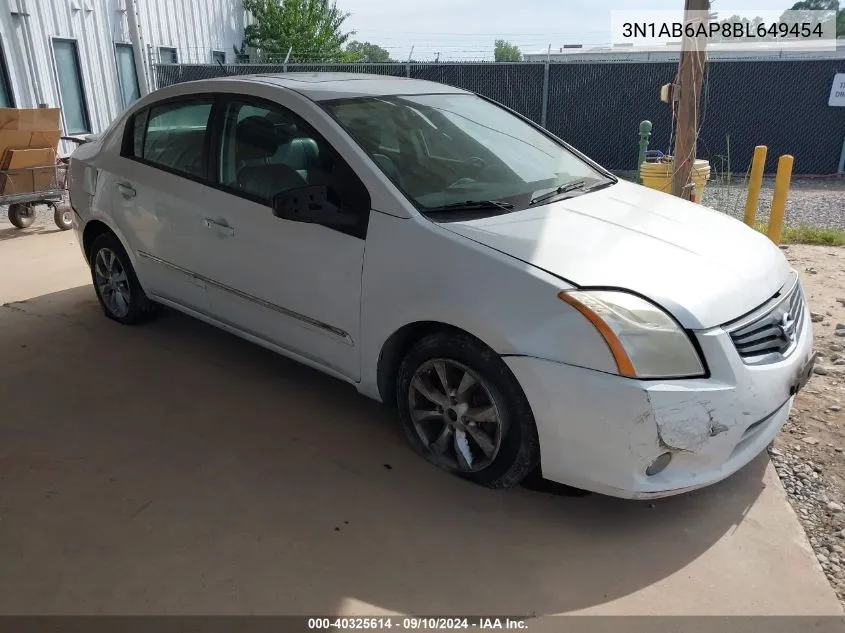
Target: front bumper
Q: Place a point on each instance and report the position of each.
(600, 432)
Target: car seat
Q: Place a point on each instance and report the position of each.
(256, 140)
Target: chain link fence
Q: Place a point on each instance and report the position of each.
(597, 106)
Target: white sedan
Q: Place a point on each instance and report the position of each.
(519, 305)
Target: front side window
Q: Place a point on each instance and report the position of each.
(454, 148)
(171, 135)
(266, 150)
(74, 108)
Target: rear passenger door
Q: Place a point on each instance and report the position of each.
(161, 195)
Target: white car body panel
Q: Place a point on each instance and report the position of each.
(697, 263)
(333, 301)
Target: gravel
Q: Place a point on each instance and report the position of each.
(817, 202)
(822, 518)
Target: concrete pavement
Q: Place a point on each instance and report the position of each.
(172, 468)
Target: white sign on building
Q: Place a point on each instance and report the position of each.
(837, 91)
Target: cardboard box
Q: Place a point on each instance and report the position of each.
(28, 141)
(38, 139)
(29, 119)
(29, 181)
(28, 170)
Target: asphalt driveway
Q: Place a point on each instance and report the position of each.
(172, 468)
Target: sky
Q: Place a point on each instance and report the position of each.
(466, 29)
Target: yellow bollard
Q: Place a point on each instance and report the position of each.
(758, 163)
(779, 200)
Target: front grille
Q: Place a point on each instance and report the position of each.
(771, 333)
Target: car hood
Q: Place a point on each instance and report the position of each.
(704, 267)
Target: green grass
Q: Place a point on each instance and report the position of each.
(809, 235)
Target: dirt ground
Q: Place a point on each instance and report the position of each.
(808, 453)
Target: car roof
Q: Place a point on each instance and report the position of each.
(323, 86)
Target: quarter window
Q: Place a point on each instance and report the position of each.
(171, 135)
(267, 149)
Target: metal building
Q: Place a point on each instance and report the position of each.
(92, 58)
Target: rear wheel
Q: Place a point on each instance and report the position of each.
(463, 411)
(116, 284)
(21, 215)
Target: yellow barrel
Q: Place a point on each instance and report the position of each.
(659, 175)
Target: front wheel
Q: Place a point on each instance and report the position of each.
(463, 411)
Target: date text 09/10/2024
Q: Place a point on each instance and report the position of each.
(417, 623)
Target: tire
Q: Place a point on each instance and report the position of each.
(118, 291)
(63, 217)
(515, 449)
(21, 215)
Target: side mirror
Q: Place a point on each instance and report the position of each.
(316, 204)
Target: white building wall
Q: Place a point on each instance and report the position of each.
(193, 27)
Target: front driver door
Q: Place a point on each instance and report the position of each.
(291, 284)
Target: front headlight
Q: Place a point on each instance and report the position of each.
(644, 340)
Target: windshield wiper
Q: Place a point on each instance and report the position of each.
(472, 205)
(570, 186)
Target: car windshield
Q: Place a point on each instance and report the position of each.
(459, 153)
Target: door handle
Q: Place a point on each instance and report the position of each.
(126, 190)
(223, 229)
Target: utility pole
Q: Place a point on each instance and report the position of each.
(690, 74)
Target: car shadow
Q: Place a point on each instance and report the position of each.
(173, 468)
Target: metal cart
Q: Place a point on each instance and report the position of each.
(47, 186)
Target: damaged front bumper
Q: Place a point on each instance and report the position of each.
(602, 432)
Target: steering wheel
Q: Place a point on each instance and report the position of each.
(473, 165)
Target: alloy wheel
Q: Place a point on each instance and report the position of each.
(455, 415)
(112, 282)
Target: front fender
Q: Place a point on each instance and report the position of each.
(415, 271)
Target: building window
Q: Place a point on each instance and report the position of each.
(6, 98)
(127, 74)
(218, 57)
(74, 109)
(167, 55)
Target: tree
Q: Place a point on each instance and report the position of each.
(366, 52)
(820, 5)
(504, 51)
(311, 29)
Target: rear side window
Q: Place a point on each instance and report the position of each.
(171, 136)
